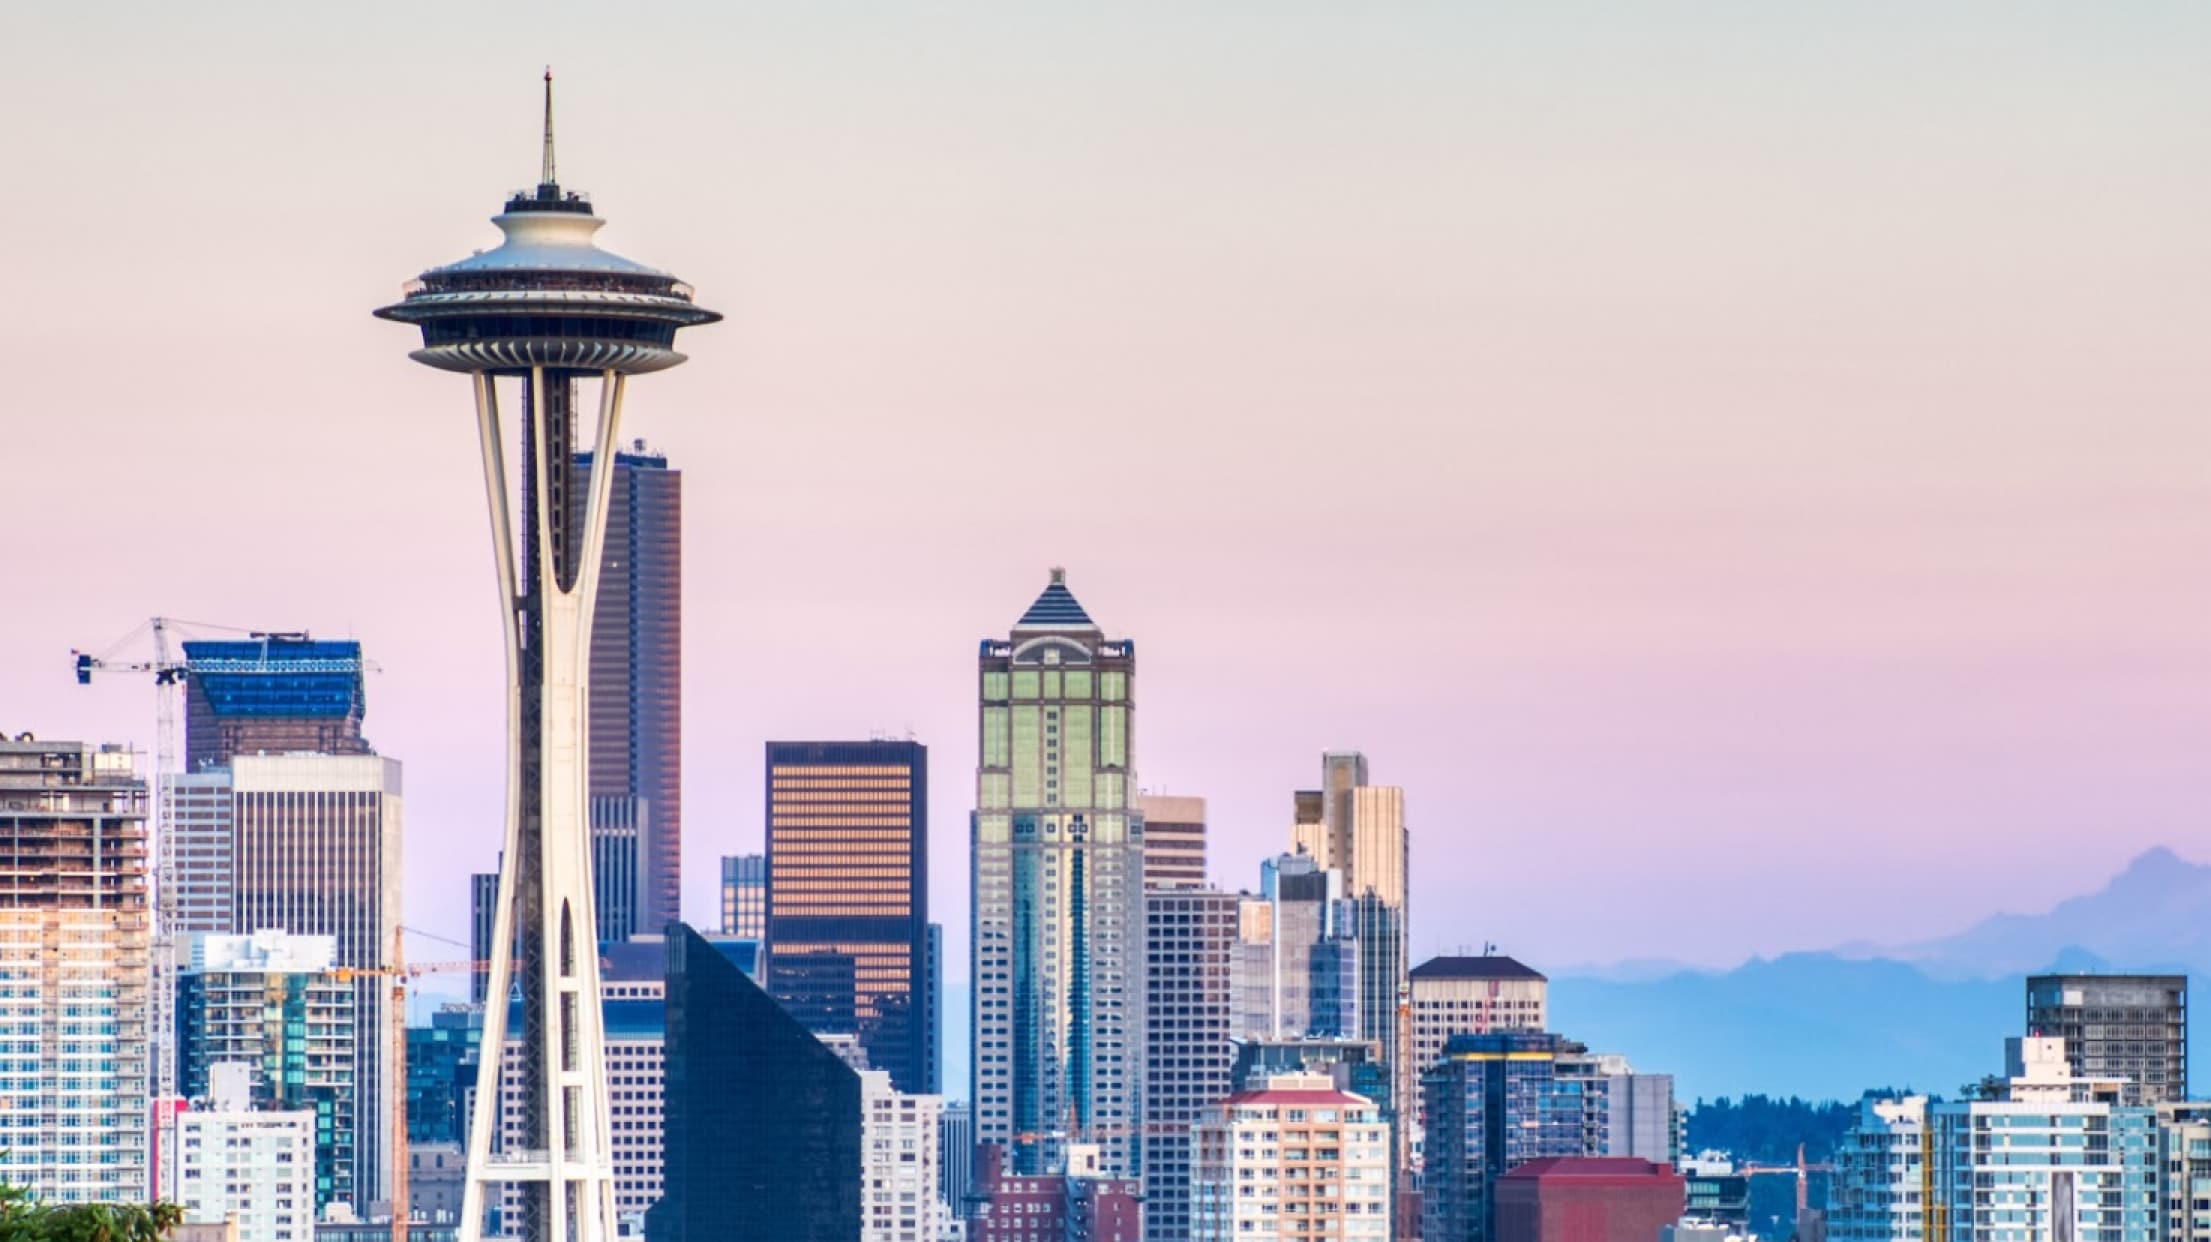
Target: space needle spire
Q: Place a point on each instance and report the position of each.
(546, 177)
(543, 313)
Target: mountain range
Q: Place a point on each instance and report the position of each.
(1931, 1015)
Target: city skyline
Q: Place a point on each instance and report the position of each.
(1909, 576)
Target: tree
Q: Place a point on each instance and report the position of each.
(22, 1220)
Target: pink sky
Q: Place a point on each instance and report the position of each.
(1744, 473)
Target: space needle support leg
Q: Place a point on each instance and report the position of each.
(596, 1193)
(484, 1119)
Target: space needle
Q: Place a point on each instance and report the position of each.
(547, 310)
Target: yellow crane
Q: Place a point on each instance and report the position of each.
(401, 971)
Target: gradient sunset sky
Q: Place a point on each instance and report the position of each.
(1742, 467)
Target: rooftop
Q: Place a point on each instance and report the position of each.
(1592, 1168)
(1488, 966)
(278, 675)
(1056, 609)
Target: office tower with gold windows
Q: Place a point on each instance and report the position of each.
(1057, 878)
(848, 896)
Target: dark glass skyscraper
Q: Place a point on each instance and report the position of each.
(762, 1122)
(636, 746)
(848, 896)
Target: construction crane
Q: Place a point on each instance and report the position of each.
(400, 971)
(169, 674)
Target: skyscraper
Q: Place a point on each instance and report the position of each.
(1358, 829)
(250, 1167)
(548, 309)
(1294, 1159)
(762, 1121)
(270, 1002)
(317, 847)
(1190, 944)
(745, 896)
(1297, 964)
(848, 895)
(1494, 1102)
(2118, 1026)
(74, 928)
(637, 686)
(1058, 873)
(1174, 840)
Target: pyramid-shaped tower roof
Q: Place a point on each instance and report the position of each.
(1056, 609)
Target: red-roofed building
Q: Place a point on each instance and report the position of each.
(1295, 1159)
(1587, 1199)
(1079, 1206)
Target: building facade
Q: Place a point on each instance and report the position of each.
(2184, 1171)
(270, 1006)
(1494, 1102)
(1474, 996)
(1174, 840)
(763, 1123)
(847, 895)
(636, 1050)
(636, 712)
(2044, 1154)
(1587, 1199)
(1295, 1159)
(441, 1075)
(1883, 1173)
(1081, 1204)
(900, 1165)
(1297, 962)
(236, 1162)
(2118, 1026)
(1190, 943)
(1357, 828)
(1057, 884)
(317, 848)
(745, 896)
(75, 972)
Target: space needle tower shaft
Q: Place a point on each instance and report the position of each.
(544, 314)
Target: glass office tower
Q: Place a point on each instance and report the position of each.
(848, 896)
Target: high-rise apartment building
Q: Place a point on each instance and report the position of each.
(270, 1002)
(1190, 944)
(636, 684)
(2044, 1153)
(1295, 1159)
(848, 895)
(1883, 1168)
(252, 1166)
(1058, 875)
(1174, 840)
(2184, 1171)
(745, 896)
(2118, 1026)
(74, 947)
(1358, 829)
(317, 848)
(763, 1122)
(899, 1163)
(1494, 1102)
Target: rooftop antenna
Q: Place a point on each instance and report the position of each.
(546, 176)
